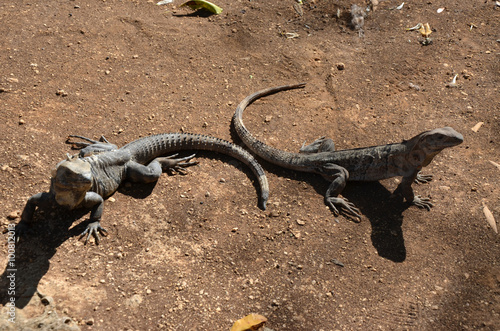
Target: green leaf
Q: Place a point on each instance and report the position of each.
(197, 4)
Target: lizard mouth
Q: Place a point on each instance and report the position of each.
(72, 180)
(69, 198)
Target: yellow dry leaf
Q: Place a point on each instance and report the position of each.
(490, 218)
(249, 322)
(202, 4)
(425, 30)
(476, 127)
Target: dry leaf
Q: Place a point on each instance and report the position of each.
(249, 322)
(477, 126)
(490, 218)
(425, 30)
(495, 164)
(202, 4)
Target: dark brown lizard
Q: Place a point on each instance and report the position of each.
(87, 179)
(374, 163)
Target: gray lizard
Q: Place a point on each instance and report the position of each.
(374, 163)
(87, 179)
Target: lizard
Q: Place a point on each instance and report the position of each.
(85, 180)
(405, 159)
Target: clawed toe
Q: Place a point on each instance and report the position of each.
(424, 203)
(174, 165)
(346, 206)
(93, 229)
(422, 179)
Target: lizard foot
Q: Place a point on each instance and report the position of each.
(94, 229)
(422, 179)
(348, 207)
(20, 230)
(173, 165)
(422, 202)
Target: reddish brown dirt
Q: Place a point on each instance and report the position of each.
(179, 258)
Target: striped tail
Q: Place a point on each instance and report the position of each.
(268, 153)
(146, 149)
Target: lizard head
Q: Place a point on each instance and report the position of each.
(71, 180)
(429, 143)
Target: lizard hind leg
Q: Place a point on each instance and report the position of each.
(339, 176)
(422, 178)
(318, 146)
(171, 164)
(89, 146)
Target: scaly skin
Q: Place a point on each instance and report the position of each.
(87, 179)
(374, 163)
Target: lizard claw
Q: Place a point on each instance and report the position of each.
(94, 229)
(348, 207)
(20, 230)
(422, 202)
(422, 179)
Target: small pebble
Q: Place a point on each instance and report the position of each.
(340, 66)
(274, 213)
(62, 93)
(13, 215)
(337, 262)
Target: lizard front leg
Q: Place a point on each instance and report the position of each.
(38, 200)
(339, 177)
(406, 190)
(96, 202)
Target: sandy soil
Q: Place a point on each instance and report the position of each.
(195, 252)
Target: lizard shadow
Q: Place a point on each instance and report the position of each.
(385, 214)
(377, 204)
(34, 251)
(52, 226)
(383, 209)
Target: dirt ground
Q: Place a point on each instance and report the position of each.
(195, 252)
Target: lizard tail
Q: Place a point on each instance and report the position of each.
(146, 149)
(268, 153)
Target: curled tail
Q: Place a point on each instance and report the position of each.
(146, 149)
(268, 153)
